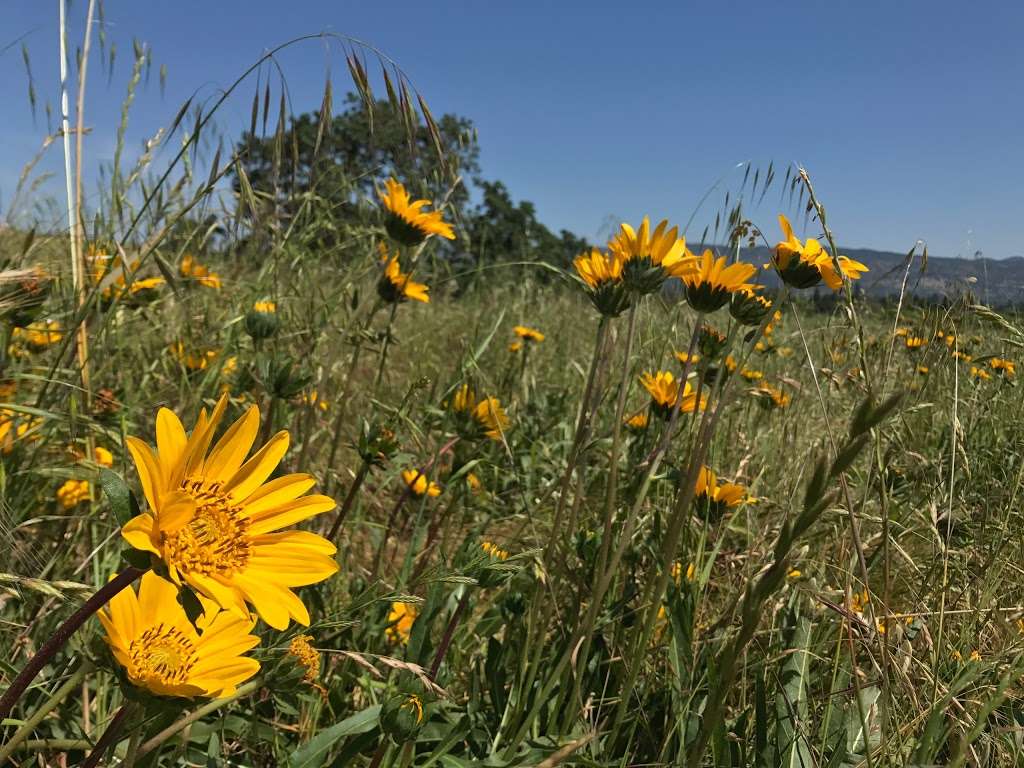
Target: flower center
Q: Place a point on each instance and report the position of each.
(162, 654)
(215, 541)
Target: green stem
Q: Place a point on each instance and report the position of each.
(181, 724)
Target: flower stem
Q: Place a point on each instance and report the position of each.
(181, 724)
(349, 499)
(449, 633)
(61, 636)
(109, 737)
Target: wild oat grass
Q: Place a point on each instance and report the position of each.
(652, 509)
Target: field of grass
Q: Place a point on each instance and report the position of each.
(529, 555)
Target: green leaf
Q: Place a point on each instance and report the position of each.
(313, 753)
(791, 708)
(122, 502)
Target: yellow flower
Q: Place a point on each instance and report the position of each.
(301, 648)
(980, 373)
(267, 308)
(637, 422)
(396, 286)
(312, 398)
(102, 456)
(795, 573)
(192, 361)
(486, 413)
(493, 551)
(711, 284)
(215, 520)
(684, 358)
(665, 395)
(528, 334)
(419, 484)
(713, 498)
(770, 397)
(406, 221)
(72, 493)
(923, 370)
(751, 375)
(602, 275)
(193, 270)
(804, 265)
(859, 601)
(473, 482)
(649, 258)
(748, 307)
(14, 429)
(914, 343)
(36, 337)
(152, 638)
(515, 346)
(958, 355)
(1004, 367)
(401, 617)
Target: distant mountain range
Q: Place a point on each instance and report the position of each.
(996, 282)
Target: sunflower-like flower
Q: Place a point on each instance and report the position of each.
(748, 307)
(602, 274)
(406, 221)
(485, 414)
(215, 520)
(770, 397)
(711, 283)
(649, 258)
(637, 423)
(914, 343)
(418, 483)
(193, 270)
(401, 617)
(528, 334)
(711, 342)
(804, 265)
(72, 493)
(152, 638)
(751, 374)
(1003, 367)
(396, 286)
(665, 394)
(192, 360)
(712, 498)
(980, 373)
(723, 370)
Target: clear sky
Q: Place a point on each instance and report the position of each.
(908, 115)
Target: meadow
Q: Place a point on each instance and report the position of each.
(283, 487)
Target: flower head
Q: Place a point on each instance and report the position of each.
(401, 617)
(193, 270)
(914, 343)
(216, 522)
(1003, 367)
(528, 334)
(160, 650)
(602, 274)
(406, 221)
(770, 397)
(306, 656)
(192, 360)
(396, 286)
(637, 422)
(980, 373)
(72, 493)
(418, 483)
(748, 307)
(713, 498)
(804, 265)
(712, 282)
(649, 258)
(485, 414)
(665, 394)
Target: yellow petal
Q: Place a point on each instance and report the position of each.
(289, 513)
(148, 468)
(230, 451)
(257, 469)
(170, 441)
(138, 532)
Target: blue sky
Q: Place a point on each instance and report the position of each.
(907, 114)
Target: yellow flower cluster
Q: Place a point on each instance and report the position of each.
(215, 521)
